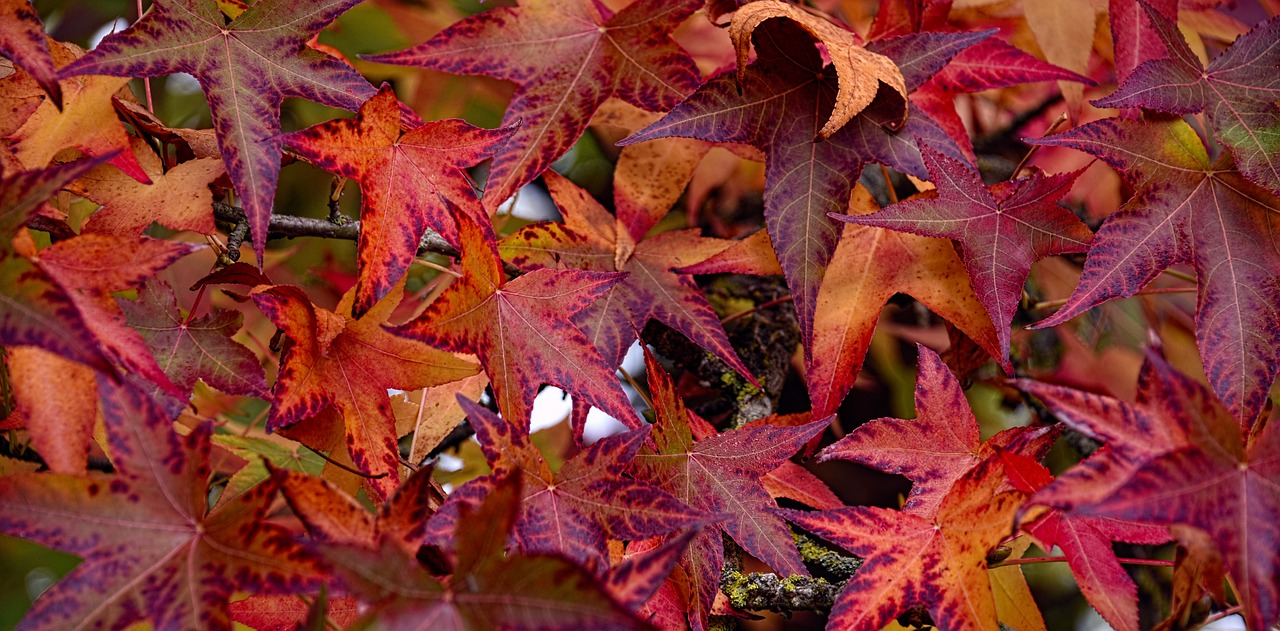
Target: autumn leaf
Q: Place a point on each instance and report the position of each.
(409, 181)
(246, 67)
(720, 475)
(575, 510)
(1001, 229)
(1189, 209)
(780, 105)
(147, 530)
(859, 72)
(488, 589)
(332, 360)
(22, 40)
(1086, 542)
(521, 329)
(938, 562)
(1184, 460)
(59, 398)
(939, 446)
(869, 267)
(23, 193)
(1136, 38)
(1237, 91)
(190, 349)
(85, 120)
(567, 56)
(1064, 30)
(591, 239)
(178, 199)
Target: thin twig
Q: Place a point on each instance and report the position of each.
(1049, 304)
(888, 185)
(1062, 118)
(1059, 559)
(764, 305)
(367, 476)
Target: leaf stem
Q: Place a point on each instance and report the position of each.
(357, 472)
(764, 305)
(1062, 118)
(1049, 304)
(1058, 559)
(888, 185)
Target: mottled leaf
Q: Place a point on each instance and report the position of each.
(780, 105)
(334, 360)
(246, 68)
(567, 56)
(521, 329)
(409, 181)
(1187, 209)
(1001, 229)
(60, 401)
(153, 551)
(908, 560)
(1237, 92)
(22, 40)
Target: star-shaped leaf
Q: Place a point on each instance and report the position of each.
(521, 329)
(1237, 92)
(1186, 461)
(488, 589)
(591, 239)
(190, 349)
(574, 511)
(567, 56)
(409, 181)
(22, 40)
(147, 531)
(1086, 542)
(870, 265)
(939, 446)
(1001, 229)
(178, 198)
(246, 67)
(908, 560)
(780, 106)
(1189, 209)
(334, 360)
(721, 475)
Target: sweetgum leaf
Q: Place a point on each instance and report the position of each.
(780, 106)
(859, 72)
(1237, 92)
(939, 446)
(153, 551)
(246, 68)
(1136, 38)
(869, 267)
(488, 589)
(574, 511)
(591, 239)
(191, 349)
(409, 181)
(938, 562)
(1086, 542)
(22, 193)
(521, 329)
(1001, 229)
(1188, 209)
(721, 475)
(22, 40)
(178, 199)
(334, 360)
(1181, 458)
(567, 56)
(60, 400)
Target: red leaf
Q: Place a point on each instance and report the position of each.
(1237, 91)
(22, 40)
(567, 57)
(1189, 210)
(721, 475)
(780, 106)
(591, 239)
(333, 360)
(521, 329)
(940, 446)
(575, 510)
(938, 562)
(409, 181)
(488, 589)
(148, 531)
(1001, 229)
(246, 68)
(1178, 457)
